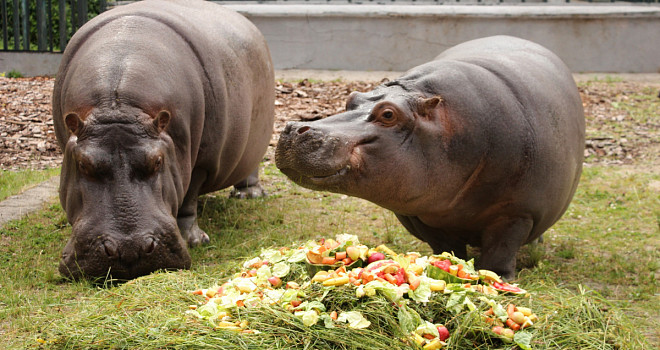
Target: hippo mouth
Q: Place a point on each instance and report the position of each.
(325, 178)
(334, 179)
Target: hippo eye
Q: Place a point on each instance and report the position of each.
(387, 117)
(84, 167)
(158, 163)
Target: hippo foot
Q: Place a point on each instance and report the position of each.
(191, 232)
(255, 191)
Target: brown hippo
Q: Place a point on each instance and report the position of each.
(482, 146)
(155, 103)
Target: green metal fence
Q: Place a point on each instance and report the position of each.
(44, 25)
(47, 25)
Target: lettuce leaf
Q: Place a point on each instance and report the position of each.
(409, 319)
(354, 319)
(523, 339)
(281, 269)
(423, 292)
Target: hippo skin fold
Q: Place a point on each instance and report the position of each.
(482, 146)
(155, 103)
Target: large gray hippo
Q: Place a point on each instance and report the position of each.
(482, 146)
(154, 104)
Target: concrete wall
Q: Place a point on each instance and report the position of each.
(30, 63)
(375, 37)
(594, 38)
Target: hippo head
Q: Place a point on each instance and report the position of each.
(120, 186)
(376, 150)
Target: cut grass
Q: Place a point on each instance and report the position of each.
(595, 284)
(14, 182)
(594, 281)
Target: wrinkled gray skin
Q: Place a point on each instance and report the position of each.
(482, 146)
(156, 103)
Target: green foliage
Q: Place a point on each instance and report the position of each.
(13, 182)
(13, 74)
(51, 22)
(603, 297)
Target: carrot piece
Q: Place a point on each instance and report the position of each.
(512, 324)
(340, 255)
(390, 278)
(367, 276)
(414, 283)
(240, 303)
(347, 261)
(510, 309)
(489, 312)
(198, 292)
(328, 260)
(333, 315)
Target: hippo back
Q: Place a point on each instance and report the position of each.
(210, 54)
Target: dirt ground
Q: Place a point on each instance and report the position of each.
(622, 117)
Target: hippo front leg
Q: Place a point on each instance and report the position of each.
(187, 216)
(439, 241)
(248, 187)
(501, 241)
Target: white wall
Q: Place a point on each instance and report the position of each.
(593, 38)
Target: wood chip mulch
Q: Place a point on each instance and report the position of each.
(27, 138)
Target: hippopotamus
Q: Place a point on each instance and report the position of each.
(483, 146)
(155, 103)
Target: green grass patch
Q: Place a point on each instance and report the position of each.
(593, 282)
(14, 182)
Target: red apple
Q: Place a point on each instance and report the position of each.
(275, 281)
(375, 257)
(443, 333)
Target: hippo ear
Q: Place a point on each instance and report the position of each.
(162, 120)
(427, 106)
(74, 123)
(351, 102)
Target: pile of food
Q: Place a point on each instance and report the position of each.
(301, 279)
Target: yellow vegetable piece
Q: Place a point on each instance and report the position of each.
(438, 285)
(225, 324)
(386, 250)
(416, 269)
(435, 344)
(418, 339)
(320, 276)
(525, 310)
(489, 276)
(336, 281)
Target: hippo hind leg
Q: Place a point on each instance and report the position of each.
(187, 216)
(500, 243)
(248, 187)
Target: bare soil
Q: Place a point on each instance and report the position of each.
(623, 120)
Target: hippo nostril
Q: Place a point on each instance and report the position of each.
(110, 249)
(303, 130)
(149, 245)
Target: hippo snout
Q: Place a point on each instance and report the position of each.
(308, 150)
(129, 251)
(122, 257)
